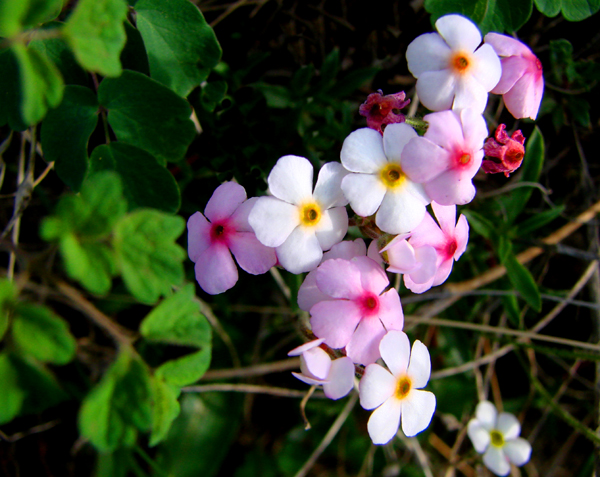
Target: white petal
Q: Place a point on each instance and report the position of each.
(347, 250)
(469, 93)
(317, 362)
(328, 191)
(308, 379)
(305, 347)
(419, 368)
(341, 378)
(301, 252)
(495, 460)
(384, 422)
(486, 413)
(417, 410)
(395, 137)
(365, 193)
(436, 89)
(332, 227)
(395, 352)
(273, 220)
(291, 179)
(400, 255)
(487, 68)
(400, 211)
(459, 32)
(479, 435)
(428, 52)
(508, 425)
(518, 451)
(362, 151)
(376, 385)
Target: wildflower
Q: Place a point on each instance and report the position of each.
(507, 151)
(448, 156)
(378, 183)
(298, 222)
(420, 264)
(357, 312)
(452, 70)
(210, 244)
(395, 393)
(522, 81)
(383, 110)
(496, 436)
(318, 369)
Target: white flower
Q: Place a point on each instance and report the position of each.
(396, 392)
(451, 71)
(300, 223)
(496, 436)
(377, 183)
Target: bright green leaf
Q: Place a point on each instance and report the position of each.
(187, 369)
(57, 51)
(550, 8)
(146, 183)
(572, 10)
(38, 332)
(96, 34)
(12, 396)
(11, 16)
(182, 48)
(7, 296)
(519, 276)
(165, 409)
(65, 134)
(148, 115)
(149, 258)
(41, 11)
(177, 320)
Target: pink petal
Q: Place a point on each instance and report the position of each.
(417, 287)
(225, 199)
(445, 129)
(376, 386)
(459, 32)
(417, 410)
(364, 192)
(427, 260)
(428, 233)
(362, 151)
(395, 352)
(305, 347)
(251, 255)
(419, 368)
(443, 272)
(524, 99)
(239, 219)
(513, 69)
(309, 294)
(451, 187)
(390, 310)
(341, 378)
(339, 278)
(328, 192)
(446, 217)
(347, 249)
(317, 362)
(506, 46)
(363, 347)
(461, 234)
(475, 132)
(428, 52)
(384, 421)
(215, 270)
(422, 160)
(273, 220)
(372, 276)
(291, 179)
(400, 256)
(335, 321)
(198, 235)
(301, 252)
(308, 379)
(332, 227)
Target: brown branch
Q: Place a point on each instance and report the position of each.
(257, 370)
(248, 388)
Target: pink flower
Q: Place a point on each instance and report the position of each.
(357, 313)
(210, 244)
(522, 81)
(447, 157)
(509, 151)
(420, 264)
(318, 369)
(382, 110)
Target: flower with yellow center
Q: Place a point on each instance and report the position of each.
(452, 70)
(377, 183)
(395, 393)
(298, 221)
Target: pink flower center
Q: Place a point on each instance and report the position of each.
(462, 159)
(369, 303)
(219, 232)
(451, 248)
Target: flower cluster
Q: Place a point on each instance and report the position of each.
(388, 175)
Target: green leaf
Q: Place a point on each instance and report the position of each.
(572, 10)
(11, 17)
(519, 276)
(40, 84)
(580, 109)
(187, 369)
(145, 182)
(41, 11)
(351, 82)
(165, 409)
(133, 56)
(12, 396)
(38, 332)
(329, 69)
(119, 404)
(182, 48)
(149, 258)
(483, 226)
(57, 51)
(96, 34)
(8, 294)
(277, 96)
(114, 464)
(300, 82)
(511, 307)
(550, 8)
(213, 94)
(146, 114)
(65, 134)
(177, 320)
(532, 166)
(524, 228)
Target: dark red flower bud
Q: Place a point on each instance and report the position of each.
(504, 153)
(381, 110)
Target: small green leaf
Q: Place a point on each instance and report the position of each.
(38, 332)
(187, 369)
(572, 10)
(522, 229)
(519, 276)
(66, 132)
(182, 48)
(148, 115)
(213, 94)
(301, 80)
(11, 17)
(7, 297)
(177, 320)
(41, 11)
(146, 183)
(165, 409)
(277, 96)
(58, 52)
(149, 258)
(483, 226)
(96, 34)
(12, 396)
(329, 69)
(133, 56)
(511, 307)
(550, 8)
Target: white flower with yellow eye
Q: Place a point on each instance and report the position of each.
(299, 222)
(496, 436)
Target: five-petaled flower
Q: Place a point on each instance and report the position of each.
(395, 393)
(505, 152)
(382, 110)
(496, 436)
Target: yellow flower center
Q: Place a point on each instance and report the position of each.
(460, 62)
(310, 214)
(403, 388)
(392, 176)
(497, 438)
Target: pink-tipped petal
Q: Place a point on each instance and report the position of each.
(291, 179)
(335, 321)
(251, 255)
(225, 199)
(395, 352)
(341, 378)
(384, 422)
(198, 235)
(376, 386)
(215, 270)
(362, 151)
(419, 368)
(417, 410)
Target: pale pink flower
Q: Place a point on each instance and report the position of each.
(318, 369)
(452, 69)
(504, 153)
(298, 222)
(382, 110)
(496, 436)
(395, 393)
(419, 264)
(522, 81)
(357, 312)
(210, 244)
(378, 183)
(449, 241)
(448, 156)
